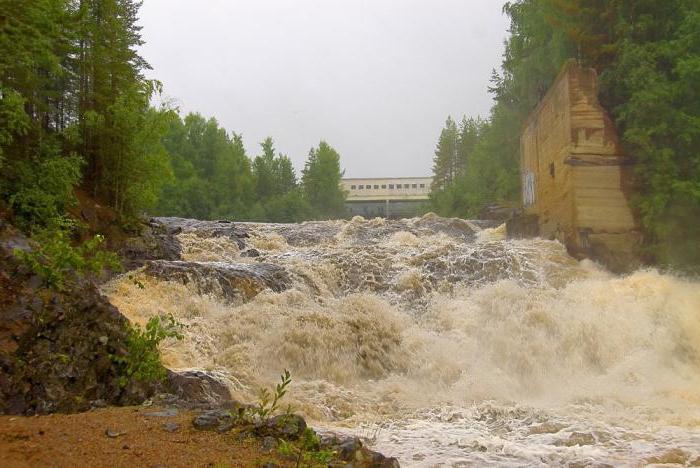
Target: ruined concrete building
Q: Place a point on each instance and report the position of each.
(575, 176)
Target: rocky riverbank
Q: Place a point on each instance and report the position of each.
(153, 436)
(59, 353)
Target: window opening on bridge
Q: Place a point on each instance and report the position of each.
(353, 187)
(361, 187)
(422, 185)
(391, 186)
(383, 185)
(376, 187)
(414, 186)
(406, 185)
(369, 187)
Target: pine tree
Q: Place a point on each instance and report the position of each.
(445, 162)
(321, 182)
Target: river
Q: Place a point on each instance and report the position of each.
(438, 340)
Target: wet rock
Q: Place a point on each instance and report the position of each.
(546, 428)
(252, 253)
(284, 426)
(171, 427)
(214, 420)
(200, 389)
(674, 456)
(234, 282)
(57, 347)
(353, 453)
(154, 241)
(269, 444)
(577, 438)
(205, 229)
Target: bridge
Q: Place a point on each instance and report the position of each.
(397, 197)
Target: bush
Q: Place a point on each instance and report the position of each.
(41, 190)
(142, 361)
(54, 258)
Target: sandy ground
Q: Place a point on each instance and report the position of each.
(80, 440)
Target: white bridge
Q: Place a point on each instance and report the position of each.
(386, 197)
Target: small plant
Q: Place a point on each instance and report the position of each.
(307, 452)
(142, 361)
(269, 401)
(54, 258)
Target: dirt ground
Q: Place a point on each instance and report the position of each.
(138, 440)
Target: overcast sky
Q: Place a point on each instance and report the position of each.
(374, 78)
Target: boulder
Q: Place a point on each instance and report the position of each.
(235, 282)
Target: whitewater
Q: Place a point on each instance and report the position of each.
(440, 341)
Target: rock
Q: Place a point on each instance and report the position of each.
(252, 253)
(353, 453)
(165, 399)
(284, 426)
(113, 434)
(546, 428)
(196, 388)
(167, 413)
(214, 420)
(57, 347)
(234, 282)
(171, 427)
(269, 444)
(523, 226)
(674, 456)
(155, 241)
(577, 438)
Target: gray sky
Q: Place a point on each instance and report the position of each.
(374, 78)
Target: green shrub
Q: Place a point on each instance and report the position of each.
(42, 187)
(53, 257)
(142, 361)
(307, 451)
(269, 401)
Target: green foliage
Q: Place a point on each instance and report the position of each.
(648, 57)
(72, 90)
(268, 401)
(307, 451)
(321, 182)
(214, 178)
(53, 257)
(142, 361)
(212, 175)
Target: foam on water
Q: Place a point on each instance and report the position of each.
(449, 344)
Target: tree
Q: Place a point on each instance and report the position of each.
(446, 158)
(321, 182)
(213, 176)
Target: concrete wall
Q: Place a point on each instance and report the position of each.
(575, 174)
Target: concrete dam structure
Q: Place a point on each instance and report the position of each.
(575, 175)
(389, 197)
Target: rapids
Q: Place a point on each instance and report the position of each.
(439, 340)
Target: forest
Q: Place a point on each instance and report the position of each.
(76, 115)
(647, 55)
